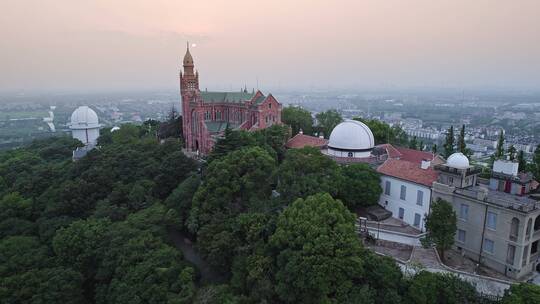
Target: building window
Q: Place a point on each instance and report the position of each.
(350, 154)
(417, 218)
(269, 105)
(419, 197)
(514, 229)
(403, 192)
(491, 220)
(450, 180)
(464, 212)
(534, 247)
(401, 213)
(525, 255)
(529, 227)
(510, 254)
(461, 236)
(489, 246)
(387, 188)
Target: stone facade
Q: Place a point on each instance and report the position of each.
(496, 226)
(206, 115)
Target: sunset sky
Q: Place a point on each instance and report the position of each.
(134, 44)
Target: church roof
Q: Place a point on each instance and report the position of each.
(219, 126)
(226, 97)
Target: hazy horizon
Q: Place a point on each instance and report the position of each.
(74, 45)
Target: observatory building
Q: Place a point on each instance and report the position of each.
(84, 126)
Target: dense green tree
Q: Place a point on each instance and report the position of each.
(499, 151)
(449, 142)
(217, 243)
(240, 181)
(383, 133)
(16, 215)
(216, 294)
(413, 143)
(359, 186)
(47, 285)
(172, 127)
(522, 293)
(298, 119)
(441, 225)
(127, 134)
(180, 200)
(512, 152)
(174, 168)
(434, 288)
(232, 140)
(434, 149)
(275, 137)
(19, 254)
(535, 166)
(522, 162)
(306, 171)
(384, 278)
(253, 265)
(319, 252)
(327, 121)
(78, 246)
(159, 277)
(461, 145)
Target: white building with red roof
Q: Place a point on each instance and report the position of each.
(406, 184)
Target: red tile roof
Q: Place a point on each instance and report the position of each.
(301, 140)
(408, 171)
(414, 156)
(390, 150)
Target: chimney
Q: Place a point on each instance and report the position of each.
(482, 194)
(425, 164)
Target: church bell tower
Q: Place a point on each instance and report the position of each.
(189, 88)
(189, 80)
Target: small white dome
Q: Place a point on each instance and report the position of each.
(84, 118)
(458, 160)
(351, 135)
(115, 128)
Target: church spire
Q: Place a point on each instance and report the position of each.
(188, 62)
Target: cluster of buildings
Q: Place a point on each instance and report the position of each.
(498, 221)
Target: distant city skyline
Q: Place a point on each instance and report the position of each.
(133, 45)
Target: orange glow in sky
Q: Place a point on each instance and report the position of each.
(136, 44)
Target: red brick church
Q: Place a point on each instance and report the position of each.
(206, 115)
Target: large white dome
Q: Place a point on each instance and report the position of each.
(351, 135)
(458, 160)
(84, 118)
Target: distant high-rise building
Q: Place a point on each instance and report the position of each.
(206, 115)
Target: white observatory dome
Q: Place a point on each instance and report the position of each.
(85, 125)
(351, 138)
(458, 160)
(84, 118)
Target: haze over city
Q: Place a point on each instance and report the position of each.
(126, 45)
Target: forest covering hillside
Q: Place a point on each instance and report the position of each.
(274, 226)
